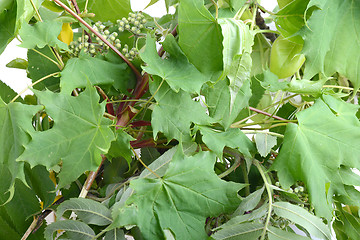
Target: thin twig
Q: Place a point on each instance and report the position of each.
(267, 114)
(237, 163)
(133, 68)
(30, 229)
(33, 84)
(89, 180)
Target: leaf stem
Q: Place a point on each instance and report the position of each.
(216, 9)
(237, 162)
(270, 106)
(90, 179)
(268, 133)
(267, 186)
(33, 84)
(48, 58)
(133, 68)
(138, 158)
(339, 87)
(267, 114)
(263, 122)
(36, 11)
(253, 21)
(30, 229)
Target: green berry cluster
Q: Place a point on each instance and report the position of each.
(134, 23)
(97, 45)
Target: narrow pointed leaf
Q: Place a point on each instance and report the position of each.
(278, 234)
(248, 231)
(298, 215)
(74, 230)
(89, 211)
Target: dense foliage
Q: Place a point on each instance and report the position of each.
(202, 124)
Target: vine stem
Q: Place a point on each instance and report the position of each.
(30, 229)
(90, 179)
(270, 106)
(266, 114)
(36, 11)
(269, 133)
(267, 186)
(339, 87)
(237, 162)
(33, 84)
(133, 68)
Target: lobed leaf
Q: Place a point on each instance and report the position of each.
(175, 69)
(158, 204)
(326, 137)
(79, 136)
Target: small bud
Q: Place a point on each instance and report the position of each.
(106, 32)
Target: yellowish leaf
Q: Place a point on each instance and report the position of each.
(66, 35)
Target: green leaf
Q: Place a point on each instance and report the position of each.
(107, 10)
(285, 59)
(74, 230)
(41, 184)
(175, 69)
(347, 223)
(327, 40)
(78, 137)
(250, 202)
(200, 37)
(159, 204)
(6, 92)
(218, 102)
(161, 164)
(237, 40)
(264, 143)
(271, 82)
(327, 130)
(79, 71)
(174, 112)
(41, 34)
(7, 26)
(233, 137)
(278, 234)
(115, 234)
(121, 147)
(16, 214)
(298, 215)
(248, 231)
(89, 211)
(260, 54)
(291, 18)
(18, 63)
(40, 66)
(15, 127)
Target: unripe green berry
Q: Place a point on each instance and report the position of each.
(138, 31)
(112, 38)
(296, 190)
(92, 51)
(132, 15)
(97, 24)
(92, 46)
(132, 52)
(143, 21)
(117, 41)
(124, 50)
(115, 34)
(102, 27)
(118, 45)
(86, 44)
(86, 37)
(121, 29)
(79, 39)
(127, 26)
(141, 26)
(133, 29)
(106, 32)
(136, 23)
(127, 55)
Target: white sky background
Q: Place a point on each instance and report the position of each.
(16, 78)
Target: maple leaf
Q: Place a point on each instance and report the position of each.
(326, 137)
(79, 136)
(181, 200)
(174, 112)
(330, 32)
(15, 127)
(176, 69)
